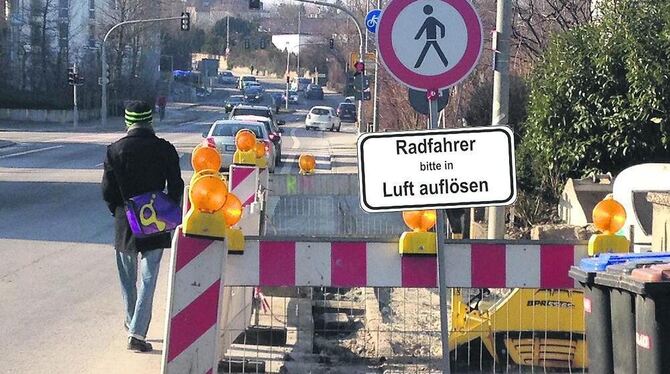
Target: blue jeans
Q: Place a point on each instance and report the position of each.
(138, 299)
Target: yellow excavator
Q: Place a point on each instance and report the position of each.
(524, 327)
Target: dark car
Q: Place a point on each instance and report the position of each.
(346, 112)
(253, 94)
(314, 91)
(233, 101)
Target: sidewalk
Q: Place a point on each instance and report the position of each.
(176, 113)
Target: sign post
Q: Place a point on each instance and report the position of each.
(429, 45)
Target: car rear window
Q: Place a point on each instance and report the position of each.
(252, 112)
(348, 107)
(320, 112)
(249, 78)
(231, 129)
(227, 74)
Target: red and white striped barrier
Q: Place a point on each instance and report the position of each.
(193, 338)
(194, 299)
(361, 264)
(244, 183)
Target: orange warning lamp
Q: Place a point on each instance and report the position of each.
(232, 212)
(609, 216)
(205, 158)
(260, 149)
(208, 193)
(419, 241)
(420, 220)
(307, 164)
(245, 140)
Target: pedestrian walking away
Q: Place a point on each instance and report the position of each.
(139, 163)
(430, 26)
(161, 102)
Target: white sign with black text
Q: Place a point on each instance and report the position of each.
(435, 169)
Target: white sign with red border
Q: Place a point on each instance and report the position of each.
(429, 44)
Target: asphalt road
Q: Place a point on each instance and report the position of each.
(60, 302)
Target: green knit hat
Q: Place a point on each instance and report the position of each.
(138, 112)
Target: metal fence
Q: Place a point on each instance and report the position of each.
(397, 330)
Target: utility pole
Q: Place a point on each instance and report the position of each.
(375, 103)
(500, 117)
(298, 58)
(75, 112)
(367, 33)
(227, 38)
(288, 75)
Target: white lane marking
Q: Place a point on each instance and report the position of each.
(31, 151)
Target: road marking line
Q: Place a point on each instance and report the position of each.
(31, 151)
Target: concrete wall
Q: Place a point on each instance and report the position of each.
(660, 231)
(46, 115)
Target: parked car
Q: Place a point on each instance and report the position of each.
(253, 94)
(300, 84)
(314, 91)
(346, 112)
(244, 80)
(227, 78)
(322, 118)
(223, 133)
(232, 101)
(293, 97)
(274, 132)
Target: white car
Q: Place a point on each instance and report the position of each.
(223, 133)
(322, 118)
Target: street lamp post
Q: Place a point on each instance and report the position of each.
(361, 45)
(105, 67)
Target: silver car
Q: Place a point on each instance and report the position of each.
(223, 132)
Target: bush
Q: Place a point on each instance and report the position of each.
(600, 97)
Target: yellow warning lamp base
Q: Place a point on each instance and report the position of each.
(235, 241)
(304, 172)
(244, 157)
(205, 225)
(604, 243)
(262, 162)
(414, 243)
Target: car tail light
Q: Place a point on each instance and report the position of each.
(267, 148)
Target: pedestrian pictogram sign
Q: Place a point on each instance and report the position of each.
(429, 44)
(435, 169)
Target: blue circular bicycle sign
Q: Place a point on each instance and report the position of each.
(372, 19)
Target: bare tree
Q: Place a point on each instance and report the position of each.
(535, 21)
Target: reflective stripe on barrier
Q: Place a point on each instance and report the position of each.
(192, 323)
(361, 264)
(244, 183)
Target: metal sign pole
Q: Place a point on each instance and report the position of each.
(440, 225)
(75, 112)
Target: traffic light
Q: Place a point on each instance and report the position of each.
(288, 79)
(331, 43)
(247, 44)
(262, 43)
(185, 21)
(254, 4)
(71, 77)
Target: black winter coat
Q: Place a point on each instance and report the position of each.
(138, 163)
